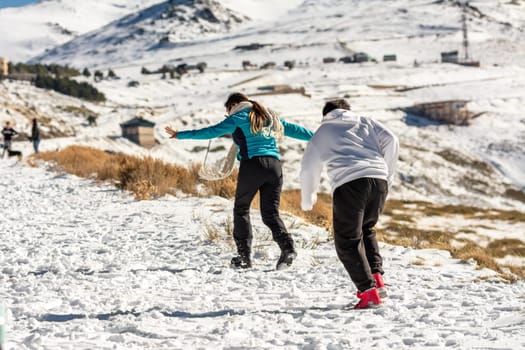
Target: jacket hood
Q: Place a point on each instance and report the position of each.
(338, 114)
(240, 106)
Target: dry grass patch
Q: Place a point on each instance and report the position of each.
(465, 161)
(82, 111)
(320, 215)
(146, 177)
(508, 246)
(149, 178)
(84, 162)
(223, 188)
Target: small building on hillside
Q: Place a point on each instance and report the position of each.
(389, 58)
(450, 112)
(4, 68)
(279, 89)
(140, 131)
(450, 57)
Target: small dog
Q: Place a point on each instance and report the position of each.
(13, 153)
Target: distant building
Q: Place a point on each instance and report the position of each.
(450, 57)
(4, 68)
(347, 59)
(140, 131)
(389, 58)
(355, 58)
(279, 89)
(361, 57)
(450, 112)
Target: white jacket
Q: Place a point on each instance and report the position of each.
(352, 147)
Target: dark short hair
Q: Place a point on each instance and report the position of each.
(335, 104)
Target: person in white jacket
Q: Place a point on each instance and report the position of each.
(361, 156)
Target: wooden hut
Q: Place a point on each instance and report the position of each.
(450, 112)
(140, 131)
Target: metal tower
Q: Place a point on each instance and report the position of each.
(465, 35)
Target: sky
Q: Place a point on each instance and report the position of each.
(15, 3)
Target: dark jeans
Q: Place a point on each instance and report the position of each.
(263, 174)
(7, 147)
(356, 208)
(35, 145)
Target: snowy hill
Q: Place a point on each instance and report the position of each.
(421, 29)
(49, 23)
(88, 267)
(164, 25)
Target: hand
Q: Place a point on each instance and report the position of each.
(171, 132)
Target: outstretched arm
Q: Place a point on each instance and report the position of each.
(227, 126)
(311, 167)
(296, 131)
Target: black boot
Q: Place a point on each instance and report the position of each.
(242, 260)
(288, 254)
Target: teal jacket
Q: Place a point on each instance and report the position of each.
(250, 145)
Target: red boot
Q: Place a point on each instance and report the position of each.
(369, 299)
(380, 285)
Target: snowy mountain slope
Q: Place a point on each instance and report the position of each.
(30, 30)
(166, 24)
(423, 29)
(86, 266)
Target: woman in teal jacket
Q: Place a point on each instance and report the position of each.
(255, 131)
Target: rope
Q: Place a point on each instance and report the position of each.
(222, 168)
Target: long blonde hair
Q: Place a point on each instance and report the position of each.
(260, 117)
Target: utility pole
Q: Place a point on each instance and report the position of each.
(465, 35)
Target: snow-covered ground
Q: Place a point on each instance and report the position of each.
(85, 266)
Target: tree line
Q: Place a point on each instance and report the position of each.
(56, 77)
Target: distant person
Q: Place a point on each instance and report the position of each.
(35, 135)
(8, 132)
(255, 130)
(361, 156)
(92, 120)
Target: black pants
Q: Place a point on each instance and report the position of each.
(7, 147)
(263, 174)
(356, 208)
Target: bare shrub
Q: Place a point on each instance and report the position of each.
(211, 232)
